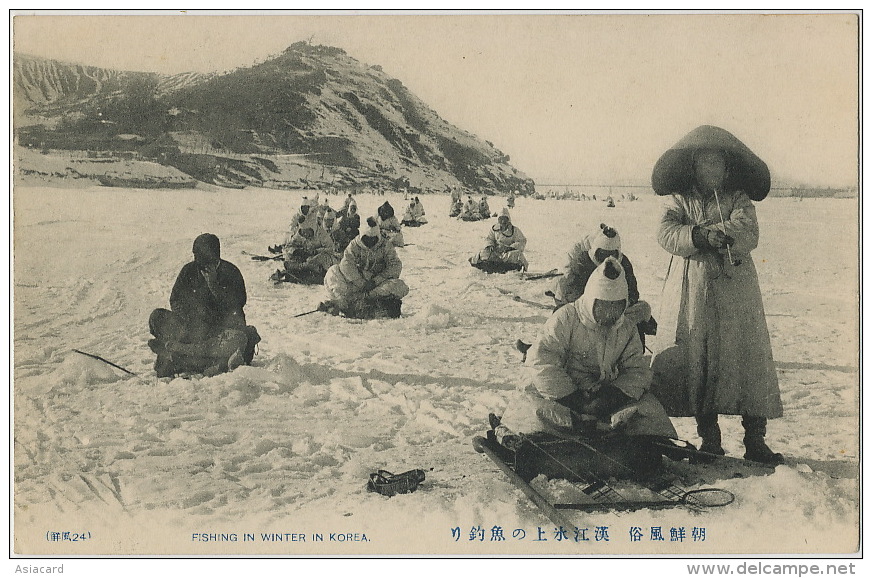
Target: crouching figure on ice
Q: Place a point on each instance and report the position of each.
(590, 379)
(307, 256)
(366, 283)
(504, 248)
(205, 330)
(389, 225)
(584, 258)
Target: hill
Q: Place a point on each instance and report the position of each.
(310, 117)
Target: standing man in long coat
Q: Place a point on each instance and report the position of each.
(712, 354)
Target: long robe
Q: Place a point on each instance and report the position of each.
(712, 353)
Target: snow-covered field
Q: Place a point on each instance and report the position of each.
(285, 446)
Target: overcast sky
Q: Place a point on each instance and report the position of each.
(572, 98)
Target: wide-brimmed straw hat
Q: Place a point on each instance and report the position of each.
(673, 172)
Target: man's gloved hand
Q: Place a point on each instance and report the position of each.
(704, 239)
(606, 401)
(369, 286)
(718, 239)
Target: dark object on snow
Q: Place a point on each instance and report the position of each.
(496, 266)
(408, 223)
(523, 348)
(374, 308)
(388, 484)
(299, 276)
(673, 172)
(263, 257)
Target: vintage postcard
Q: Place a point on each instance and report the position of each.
(435, 284)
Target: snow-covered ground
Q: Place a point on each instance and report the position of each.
(146, 465)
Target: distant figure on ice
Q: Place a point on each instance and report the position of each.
(328, 221)
(307, 257)
(510, 200)
(484, 209)
(588, 369)
(610, 202)
(713, 354)
(307, 216)
(323, 208)
(349, 200)
(205, 330)
(504, 248)
(414, 215)
(390, 225)
(456, 208)
(456, 196)
(366, 283)
(470, 211)
(584, 258)
(348, 227)
(419, 212)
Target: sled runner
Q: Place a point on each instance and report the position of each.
(590, 461)
(532, 276)
(519, 299)
(263, 257)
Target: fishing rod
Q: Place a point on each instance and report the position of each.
(106, 361)
(734, 263)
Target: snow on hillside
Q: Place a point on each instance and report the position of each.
(285, 446)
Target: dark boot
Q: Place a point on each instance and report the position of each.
(250, 347)
(708, 429)
(755, 447)
(392, 307)
(164, 365)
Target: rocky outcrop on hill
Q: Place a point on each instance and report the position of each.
(310, 117)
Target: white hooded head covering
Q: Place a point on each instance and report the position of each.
(608, 282)
(606, 238)
(372, 229)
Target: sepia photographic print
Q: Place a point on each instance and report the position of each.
(435, 284)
